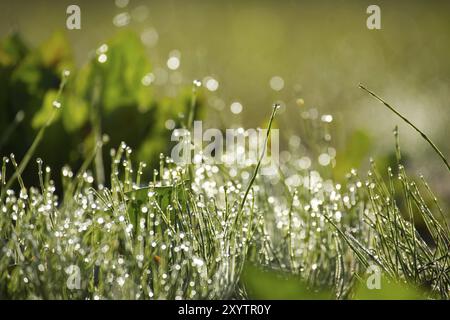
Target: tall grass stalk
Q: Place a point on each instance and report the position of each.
(261, 157)
(424, 136)
(37, 140)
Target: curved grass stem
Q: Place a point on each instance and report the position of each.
(436, 149)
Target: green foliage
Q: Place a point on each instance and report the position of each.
(100, 98)
(195, 231)
(196, 239)
(269, 284)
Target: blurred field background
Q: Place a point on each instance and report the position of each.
(321, 49)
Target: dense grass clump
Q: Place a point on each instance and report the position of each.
(198, 231)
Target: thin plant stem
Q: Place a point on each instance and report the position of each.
(408, 122)
(37, 140)
(258, 165)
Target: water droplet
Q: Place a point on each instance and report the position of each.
(277, 83)
(23, 194)
(212, 84)
(173, 63)
(236, 107)
(102, 58)
(20, 116)
(149, 37)
(148, 79)
(327, 118)
(122, 19)
(170, 124)
(300, 102)
(122, 3)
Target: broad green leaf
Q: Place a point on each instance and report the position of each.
(56, 52)
(122, 73)
(74, 112)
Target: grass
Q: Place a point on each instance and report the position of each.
(192, 232)
(424, 136)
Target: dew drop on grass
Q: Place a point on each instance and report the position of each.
(212, 84)
(121, 3)
(23, 194)
(300, 102)
(20, 116)
(149, 37)
(122, 19)
(148, 79)
(102, 58)
(276, 83)
(324, 159)
(327, 118)
(121, 281)
(173, 63)
(236, 107)
(169, 124)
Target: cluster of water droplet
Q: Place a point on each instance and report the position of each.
(188, 232)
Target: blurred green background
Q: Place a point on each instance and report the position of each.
(321, 50)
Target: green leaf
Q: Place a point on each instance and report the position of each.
(270, 284)
(43, 115)
(74, 112)
(12, 50)
(164, 196)
(56, 52)
(122, 73)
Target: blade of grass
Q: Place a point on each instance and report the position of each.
(258, 165)
(408, 122)
(37, 140)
